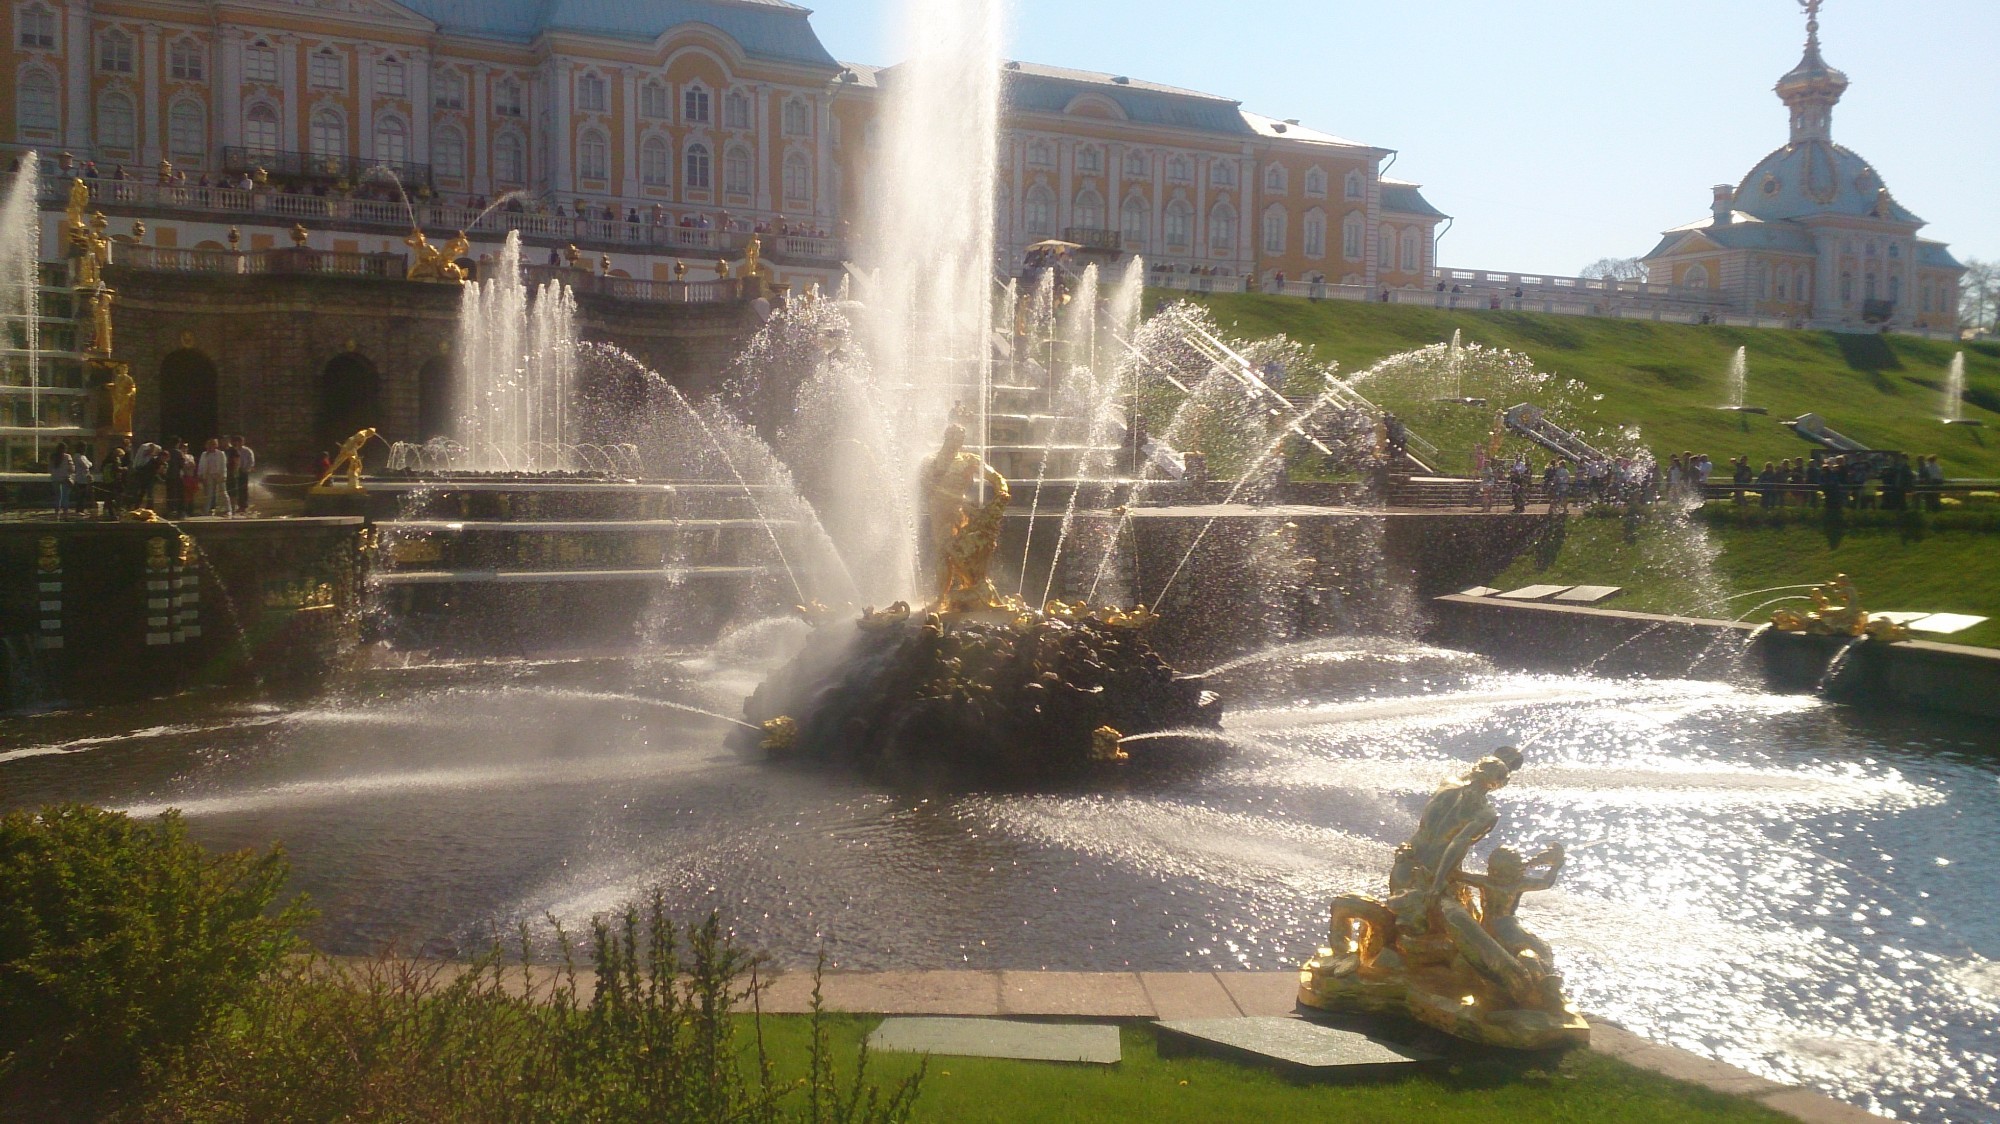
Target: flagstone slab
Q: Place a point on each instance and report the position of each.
(1297, 1044)
(999, 1038)
(1945, 624)
(1589, 594)
(1532, 593)
(1188, 995)
(1096, 994)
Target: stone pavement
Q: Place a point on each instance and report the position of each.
(1207, 995)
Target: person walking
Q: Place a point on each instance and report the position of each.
(60, 468)
(213, 471)
(246, 462)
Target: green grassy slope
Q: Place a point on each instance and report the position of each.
(1665, 378)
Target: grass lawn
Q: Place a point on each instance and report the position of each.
(1583, 1087)
(1666, 378)
(1920, 568)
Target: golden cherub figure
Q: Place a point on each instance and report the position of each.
(963, 538)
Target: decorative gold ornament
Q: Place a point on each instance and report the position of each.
(1104, 745)
(51, 557)
(433, 263)
(348, 459)
(1837, 611)
(124, 396)
(963, 537)
(780, 734)
(300, 235)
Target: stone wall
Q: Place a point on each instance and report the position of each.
(271, 339)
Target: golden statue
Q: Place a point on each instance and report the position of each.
(722, 269)
(1837, 611)
(348, 458)
(99, 304)
(680, 270)
(84, 237)
(300, 235)
(572, 256)
(962, 539)
(1444, 946)
(433, 263)
(124, 395)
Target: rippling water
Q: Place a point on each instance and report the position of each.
(1797, 889)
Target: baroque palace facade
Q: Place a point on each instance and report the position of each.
(1812, 234)
(623, 127)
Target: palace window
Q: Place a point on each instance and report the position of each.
(1895, 249)
(1040, 155)
(1696, 277)
(1316, 183)
(1801, 285)
(329, 133)
(114, 53)
(392, 78)
(35, 106)
(1222, 230)
(185, 61)
(1896, 289)
(1179, 225)
(260, 130)
(1385, 248)
(653, 101)
(798, 118)
(1413, 250)
(736, 110)
(1763, 282)
(1132, 224)
(1275, 222)
(592, 95)
(510, 160)
(1135, 164)
(187, 131)
(116, 125)
(1355, 187)
(593, 156)
(260, 64)
(696, 176)
(1178, 170)
(1087, 211)
(327, 71)
(656, 162)
(798, 178)
(736, 170)
(1089, 160)
(1312, 234)
(1847, 288)
(1038, 213)
(448, 153)
(392, 141)
(1274, 179)
(1353, 229)
(507, 98)
(694, 109)
(1222, 173)
(449, 93)
(1868, 288)
(38, 28)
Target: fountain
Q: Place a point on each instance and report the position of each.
(1739, 379)
(1954, 394)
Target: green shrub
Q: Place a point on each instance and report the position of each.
(656, 1039)
(122, 939)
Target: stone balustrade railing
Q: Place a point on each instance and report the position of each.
(289, 260)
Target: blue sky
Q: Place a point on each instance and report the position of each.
(1557, 131)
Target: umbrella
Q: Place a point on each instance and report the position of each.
(1055, 244)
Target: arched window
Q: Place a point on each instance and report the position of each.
(392, 78)
(1222, 230)
(1089, 160)
(38, 28)
(114, 53)
(507, 98)
(1087, 211)
(1177, 170)
(448, 153)
(1275, 222)
(329, 133)
(36, 109)
(736, 178)
(186, 62)
(656, 162)
(1696, 277)
(736, 110)
(448, 91)
(1039, 212)
(593, 156)
(1179, 225)
(1781, 281)
(694, 111)
(260, 129)
(1316, 182)
(510, 162)
(1355, 187)
(1274, 179)
(392, 141)
(1353, 229)
(1222, 173)
(592, 95)
(1040, 155)
(653, 101)
(1132, 224)
(1412, 251)
(260, 63)
(116, 127)
(797, 119)
(697, 175)
(1312, 233)
(798, 178)
(1801, 285)
(1135, 164)
(1763, 281)
(187, 131)
(1385, 253)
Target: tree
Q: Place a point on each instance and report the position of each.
(1979, 295)
(1617, 269)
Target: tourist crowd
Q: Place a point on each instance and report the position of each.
(167, 477)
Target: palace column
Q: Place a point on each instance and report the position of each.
(227, 105)
(479, 153)
(77, 59)
(562, 130)
(289, 82)
(420, 105)
(761, 121)
(150, 65)
(823, 152)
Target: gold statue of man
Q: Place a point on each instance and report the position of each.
(962, 538)
(349, 458)
(124, 396)
(100, 323)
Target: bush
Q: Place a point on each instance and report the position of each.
(386, 1039)
(122, 939)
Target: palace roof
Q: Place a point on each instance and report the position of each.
(1817, 177)
(1405, 199)
(769, 29)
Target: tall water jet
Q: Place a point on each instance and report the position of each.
(20, 244)
(1953, 412)
(516, 370)
(1739, 385)
(927, 249)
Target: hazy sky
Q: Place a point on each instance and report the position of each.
(1556, 131)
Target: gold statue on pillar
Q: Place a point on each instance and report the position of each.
(963, 536)
(99, 304)
(124, 397)
(435, 263)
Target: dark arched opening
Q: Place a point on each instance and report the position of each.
(190, 404)
(434, 417)
(349, 401)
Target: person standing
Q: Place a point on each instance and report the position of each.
(60, 468)
(213, 472)
(244, 464)
(117, 470)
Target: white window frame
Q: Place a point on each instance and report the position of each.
(593, 155)
(1179, 227)
(1041, 154)
(260, 64)
(1038, 212)
(1089, 160)
(510, 158)
(392, 140)
(508, 99)
(187, 61)
(117, 121)
(1180, 170)
(1132, 218)
(47, 111)
(1222, 231)
(656, 161)
(1275, 229)
(1312, 234)
(327, 132)
(797, 175)
(1413, 253)
(737, 110)
(593, 93)
(392, 78)
(697, 107)
(1276, 180)
(1087, 211)
(698, 168)
(1316, 182)
(35, 28)
(1353, 236)
(448, 153)
(1355, 185)
(656, 101)
(257, 118)
(115, 52)
(183, 115)
(797, 118)
(1135, 164)
(450, 90)
(326, 70)
(738, 174)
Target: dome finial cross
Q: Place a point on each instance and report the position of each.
(1812, 8)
